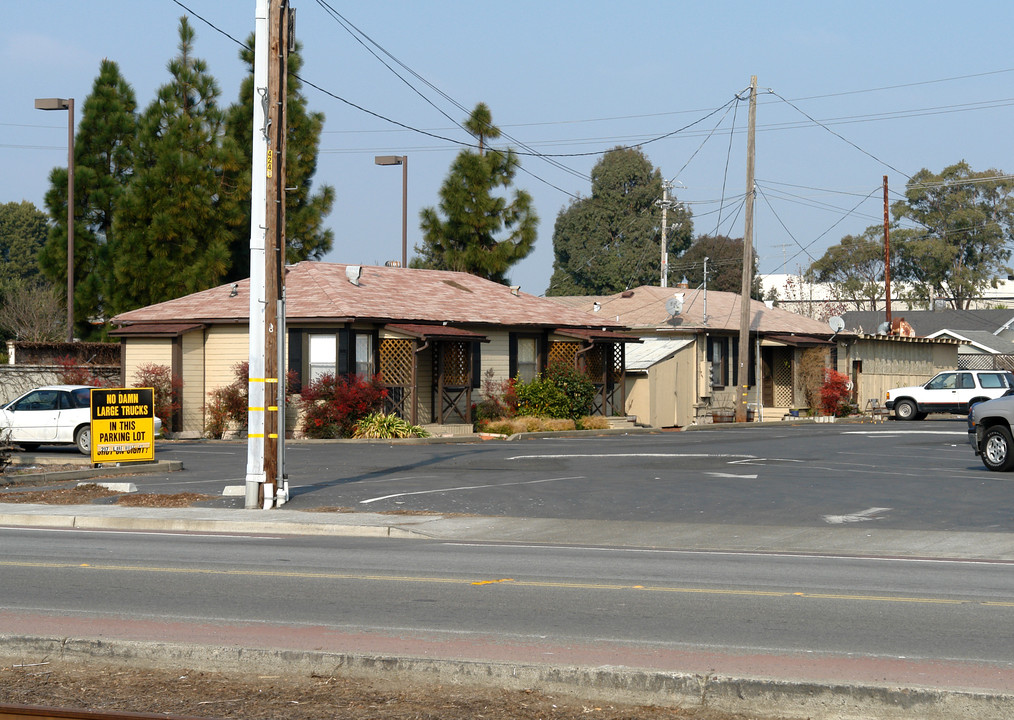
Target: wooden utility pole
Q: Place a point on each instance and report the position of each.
(743, 366)
(274, 255)
(887, 256)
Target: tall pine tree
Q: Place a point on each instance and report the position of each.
(174, 226)
(482, 233)
(305, 236)
(103, 163)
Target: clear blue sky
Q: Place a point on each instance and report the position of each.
(906, 85)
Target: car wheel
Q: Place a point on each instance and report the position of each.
(83, 440)
(998, 449)
(905, 410)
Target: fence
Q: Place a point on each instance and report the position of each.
(986, 362)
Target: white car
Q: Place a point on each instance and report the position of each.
(52, 415)
(953, 391)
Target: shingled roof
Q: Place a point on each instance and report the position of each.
(643, 308)
(318, 291)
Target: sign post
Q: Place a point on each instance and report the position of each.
(122, 424)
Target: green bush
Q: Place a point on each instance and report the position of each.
(379, 425)
(559, 392)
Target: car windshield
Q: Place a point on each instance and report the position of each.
(943, 381)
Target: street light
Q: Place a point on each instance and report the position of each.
(68, 105)
(403, 161)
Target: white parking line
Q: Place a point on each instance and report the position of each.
(466, 487)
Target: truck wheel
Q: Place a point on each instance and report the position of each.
(83, 440)
(905, 410)
(998, 449)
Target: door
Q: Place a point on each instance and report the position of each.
(34, 417)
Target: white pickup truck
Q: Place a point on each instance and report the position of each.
(953, 391)
(989, 432)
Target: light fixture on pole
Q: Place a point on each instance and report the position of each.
(68, 105)
(403, 161)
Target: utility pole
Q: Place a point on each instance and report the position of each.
(274, 256)
(887, 257)
(743, 366)
(665, 203)
(258, 226)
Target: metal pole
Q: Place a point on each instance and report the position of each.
(70, 220)
(887, 257)
(404, 211)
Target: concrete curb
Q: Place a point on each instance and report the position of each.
(606, 683)
(158, 467)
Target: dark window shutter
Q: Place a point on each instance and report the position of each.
(476, 364)
(344, 351)
(512, 349)
(296, 359)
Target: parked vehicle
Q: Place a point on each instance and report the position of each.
(52, 415)
(989, 432)
(953, 391)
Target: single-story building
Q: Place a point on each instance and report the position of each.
(686, 369)
(433, 336)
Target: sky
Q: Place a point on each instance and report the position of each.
(847, 93)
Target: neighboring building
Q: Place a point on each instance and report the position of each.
(927, 322)
(432, 335)
(685, 370)
(983, 350)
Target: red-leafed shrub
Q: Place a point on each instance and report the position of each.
(168, 391)
(834, 393)
(333, 406)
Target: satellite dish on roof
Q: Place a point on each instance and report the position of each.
(884, 328)
(836, 323)
(674, 305)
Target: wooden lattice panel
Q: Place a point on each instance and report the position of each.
(563, 353)
(616, 370)
(456, 364)
(782, 376)
(396, 361)
(596, 363)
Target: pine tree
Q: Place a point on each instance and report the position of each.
(103, 162)
(306, 238)
(469, 239)
(175, 223)
(610, 241)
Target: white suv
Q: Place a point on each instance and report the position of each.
(953, 391)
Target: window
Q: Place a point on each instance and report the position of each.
(528, 358)
(364, 355)
(526, 355)
(943, 381)
(992, 380)
(967, 382)
(323, 356)
(718, 355)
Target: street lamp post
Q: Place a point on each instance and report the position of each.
(68, 105)
(403, 161)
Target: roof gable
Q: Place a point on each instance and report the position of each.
(645, 308)
(317, 291)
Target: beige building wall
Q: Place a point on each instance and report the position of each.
(193, 386)
(892, 362)
(224, 347)
(144, 351)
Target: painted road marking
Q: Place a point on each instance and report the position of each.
(466, 487)
(875, 433)
(513, 583)
(861, 516)
(629, 455)
(731, 475)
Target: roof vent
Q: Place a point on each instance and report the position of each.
(627, 294)
(596, 306)
(515, 290)
(392, 263)
(353, 273)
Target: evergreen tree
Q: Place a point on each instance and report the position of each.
(103, 163)
(725, 265)
(470, 237)
(306, 238)
(609, 242)
(23, 230)
(175, 223)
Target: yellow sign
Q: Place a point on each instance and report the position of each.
(123, 424)
(271, 159)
